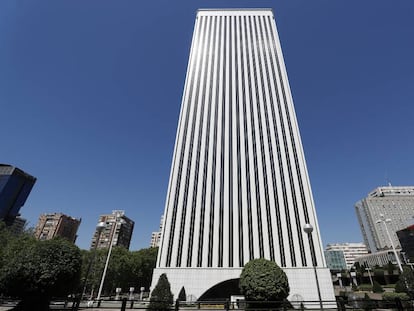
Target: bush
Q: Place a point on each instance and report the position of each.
(367, 303)
(391, 296)
(182, 296)
(161, 297)
(377, 288)
(405, 283)
(263, 280)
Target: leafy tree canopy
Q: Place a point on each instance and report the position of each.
(126, 269)
(39, 269)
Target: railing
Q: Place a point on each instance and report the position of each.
(124, 304)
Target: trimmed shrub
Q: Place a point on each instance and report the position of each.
(391, 296)
(377, 288)
(263, 281)
(182, 296)
(161, 297)
(368, 304)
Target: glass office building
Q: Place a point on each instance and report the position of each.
(335, 260)
(15, 187)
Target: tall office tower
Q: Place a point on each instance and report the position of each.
(156, 235)
(239, 187)
(351, 251)
(394, 206)
(118, 228)
(15, 187)
(57, 225)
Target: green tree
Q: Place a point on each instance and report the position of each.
(161, 297)
(5, 238)
(39, 271)
(126, 269)
(142, 266)
(263, 280)
(96, 270)
(182, 296)
(118, 274)
(405, 283)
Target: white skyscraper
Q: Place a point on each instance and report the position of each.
(239, 187)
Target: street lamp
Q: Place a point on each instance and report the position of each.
(370, 278)
(384, 221)
(308, 230)
(99, 227)
(118, 221)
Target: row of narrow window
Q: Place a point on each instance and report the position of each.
(212, 39)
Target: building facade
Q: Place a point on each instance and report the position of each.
(239, 187)
(15, 187)
(381, 258)
(393, 204)
(57, 225)
(156, 235)
(18, 225)
(118, 228)
(335, 260)
(351, 251)
(406, 238)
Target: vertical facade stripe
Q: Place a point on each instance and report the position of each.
(251, 101)
(238, 187)
(192, 154)
(215, 233)
(246, 206)
(278, 248)
(198, 159)
(207, 145)
(172, 213)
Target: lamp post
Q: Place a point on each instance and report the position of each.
(99, 227)
(308, 230)
(384, 221)
(369, 275)
(118, 221)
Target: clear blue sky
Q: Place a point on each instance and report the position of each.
(90, 93)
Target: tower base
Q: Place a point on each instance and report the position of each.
(302, 283)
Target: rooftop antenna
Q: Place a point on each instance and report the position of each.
(388, 181)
